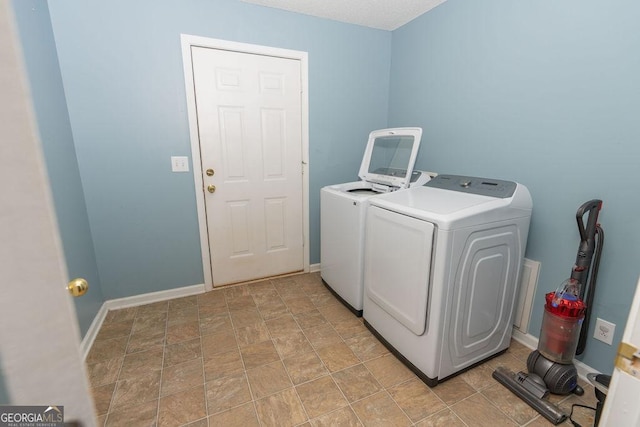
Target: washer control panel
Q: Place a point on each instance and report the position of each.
(474, 185)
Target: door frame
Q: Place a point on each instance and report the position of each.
(189, 41)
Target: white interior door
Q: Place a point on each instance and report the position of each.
(39, 356)
(250, 132)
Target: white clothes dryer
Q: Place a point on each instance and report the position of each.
(442, 265)
(387, 166)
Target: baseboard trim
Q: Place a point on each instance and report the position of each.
(314, 268)
(92, 332)
(136, 300)
(530, 341)
(527, 340)
(132, 301)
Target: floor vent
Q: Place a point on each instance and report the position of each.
(524, 304)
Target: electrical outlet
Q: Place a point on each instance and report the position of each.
(604, 331)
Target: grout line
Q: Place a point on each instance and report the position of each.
(164, 348)
(295, 386)
(204, 374)
(330, 374)
(115, 388)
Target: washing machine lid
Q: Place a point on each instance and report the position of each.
(390, 156)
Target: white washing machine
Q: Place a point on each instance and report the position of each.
(387, 166)
(442, 265)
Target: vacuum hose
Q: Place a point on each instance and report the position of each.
(591, 290)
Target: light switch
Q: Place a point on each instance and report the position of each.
(179, 164)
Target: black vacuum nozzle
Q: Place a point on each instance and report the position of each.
(548, 410)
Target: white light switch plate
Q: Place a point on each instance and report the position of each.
(179, 164)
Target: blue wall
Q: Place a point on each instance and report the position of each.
(121, 65)
(545, 93)
(39, 50)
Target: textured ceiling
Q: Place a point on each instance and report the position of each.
(381, 14)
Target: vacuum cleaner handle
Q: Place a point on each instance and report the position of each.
(590, 207)
(587, 240)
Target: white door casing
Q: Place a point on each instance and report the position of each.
(248, 112)
(621, 405)
(40, 353)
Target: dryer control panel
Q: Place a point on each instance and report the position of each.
(474, 185)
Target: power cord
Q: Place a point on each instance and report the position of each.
(575, 424)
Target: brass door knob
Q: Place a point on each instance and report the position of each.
(211, 188)
(78, 287)
(210, 172)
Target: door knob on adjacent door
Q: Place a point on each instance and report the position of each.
(211, 188)
(78, 287)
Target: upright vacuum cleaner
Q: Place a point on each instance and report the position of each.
(564, 329)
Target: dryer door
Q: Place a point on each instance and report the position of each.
(398, 265)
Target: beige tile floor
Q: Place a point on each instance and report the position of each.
(282, 352)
